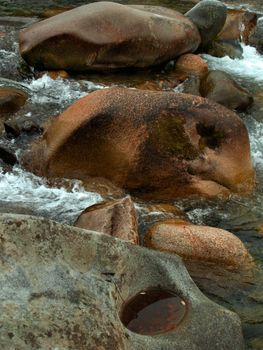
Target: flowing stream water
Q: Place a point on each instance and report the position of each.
(242, 216)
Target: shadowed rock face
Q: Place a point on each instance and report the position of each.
(107, 35)
(63, 287)
(209, 16)
(154, 144)
(11, 100)
(221, 88)
(116, 218)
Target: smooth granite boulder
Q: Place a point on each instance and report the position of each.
(106, 35)
(64, 288)
(209, 16)
(153, 144)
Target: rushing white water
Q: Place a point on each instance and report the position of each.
(250, 66)
(29, 191)
(60, 90)
(256, 142)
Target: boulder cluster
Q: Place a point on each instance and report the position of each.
(150, 143)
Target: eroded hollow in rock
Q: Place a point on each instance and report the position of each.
(153, 312)
(210, 137)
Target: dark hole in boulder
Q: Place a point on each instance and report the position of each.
(210, 137)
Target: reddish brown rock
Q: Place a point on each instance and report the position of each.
(149, 85)
(115, 218)
(238, 25)
(190, 64)
(154, 144)
(54, 74)
(199, 243)
(105, 35)
(11, 99)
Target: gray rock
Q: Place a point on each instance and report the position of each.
(209, 16)
(221, 48)
(256, 37)
(63, 288)
(221, 88)
(8, 83)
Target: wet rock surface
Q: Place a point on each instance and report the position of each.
(220, 87)
(209, 16)
(190, 64)
(67, 286)
(107, 35)
(221, 48)
(255, 38)
(7, 156)
(238, 25)
(11, 100)
(153, 144)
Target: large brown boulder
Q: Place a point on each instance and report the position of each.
(116, 218)
(106, 35)
(154, 144)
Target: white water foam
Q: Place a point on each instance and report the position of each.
(256, 141)
(30, 191)
(62, 91)
(250, 66)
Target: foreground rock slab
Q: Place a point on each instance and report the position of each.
(116, 218)
(63, 287)
(106, 35)
(154, 144)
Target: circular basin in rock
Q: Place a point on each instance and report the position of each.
(153, 311)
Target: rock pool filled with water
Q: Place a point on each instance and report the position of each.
(63, 202)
